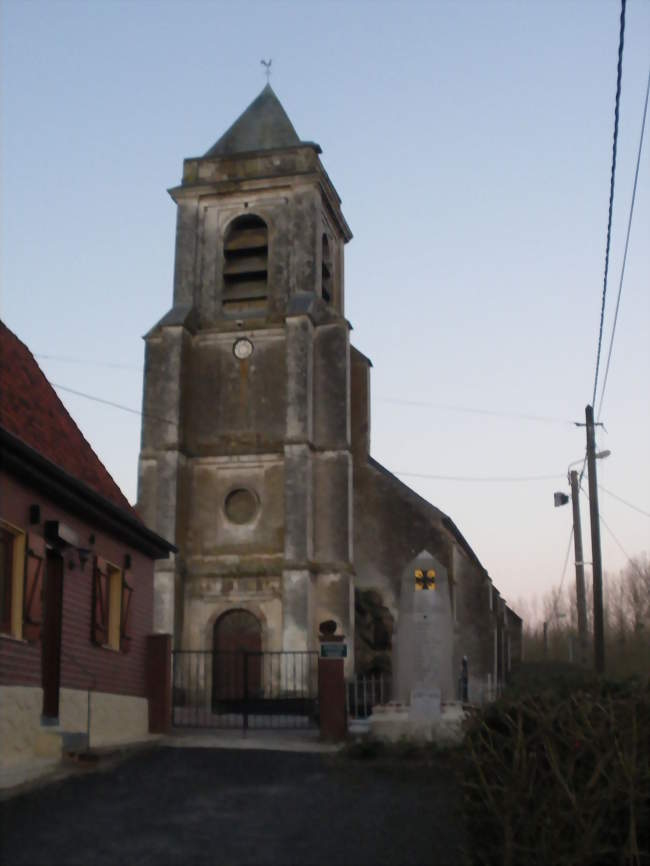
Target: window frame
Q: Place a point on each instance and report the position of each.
(245, 267)
(111, 606)
(11, 625)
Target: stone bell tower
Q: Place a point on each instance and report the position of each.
(245, 457)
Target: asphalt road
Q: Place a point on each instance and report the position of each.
(231, 807)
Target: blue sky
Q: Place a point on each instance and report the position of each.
(471, 145)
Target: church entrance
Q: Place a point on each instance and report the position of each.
(237, 656)
(238, 685)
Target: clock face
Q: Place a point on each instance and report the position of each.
(242, 349)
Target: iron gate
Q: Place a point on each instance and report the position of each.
(244, 689)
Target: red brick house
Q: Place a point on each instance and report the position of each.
(76, 578)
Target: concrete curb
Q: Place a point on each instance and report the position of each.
(272, 740)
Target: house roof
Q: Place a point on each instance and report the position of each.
(264, 125)
(31, 411)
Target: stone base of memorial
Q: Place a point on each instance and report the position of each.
(395, 722)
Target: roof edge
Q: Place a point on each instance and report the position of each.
(29, 464)
(446, 521)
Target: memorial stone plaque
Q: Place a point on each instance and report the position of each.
(425, 705)
(424, 641)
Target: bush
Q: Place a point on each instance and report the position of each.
(556, 776)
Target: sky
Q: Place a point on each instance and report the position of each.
(471, 145)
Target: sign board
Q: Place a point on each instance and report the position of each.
(425, 705)
(331, 650)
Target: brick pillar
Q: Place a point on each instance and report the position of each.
(159, 682)
(331, 693)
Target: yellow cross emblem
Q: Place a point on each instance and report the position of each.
(425, 580)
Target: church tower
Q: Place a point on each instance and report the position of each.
(246, 461)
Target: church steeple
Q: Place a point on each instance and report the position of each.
(260, 227)
(253, 476)
(264, 125)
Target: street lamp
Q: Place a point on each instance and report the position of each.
(581, 599)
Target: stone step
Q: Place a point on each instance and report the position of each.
(54, 743)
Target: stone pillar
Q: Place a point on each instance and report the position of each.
(296, 609)
(331, 693)
(161, 458)
(159, 682)
(299, 331)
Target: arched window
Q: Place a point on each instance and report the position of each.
(326, 271)
(245, 269)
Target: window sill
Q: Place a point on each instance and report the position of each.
(12, 638)
(112, 649)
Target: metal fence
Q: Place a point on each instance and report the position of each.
(244, 689)
(365, 692)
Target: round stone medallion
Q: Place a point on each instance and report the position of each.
(241, 505)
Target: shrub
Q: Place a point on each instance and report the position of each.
(556, 776)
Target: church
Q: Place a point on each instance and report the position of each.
(255, 454)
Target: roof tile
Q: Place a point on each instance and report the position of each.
(31, 410)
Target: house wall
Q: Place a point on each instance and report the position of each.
(117, 679)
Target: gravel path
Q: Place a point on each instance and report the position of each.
(232, 807)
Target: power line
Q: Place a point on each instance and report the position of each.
(624, 501)
(627, 241)
(620, 546)
(472, 411)
(86, 363)
(619, 74)
(114, 405)
(394, 400)
(489, 479)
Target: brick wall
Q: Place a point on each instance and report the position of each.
(83, 664)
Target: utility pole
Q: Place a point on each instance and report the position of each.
(597, 564)
(581, 598)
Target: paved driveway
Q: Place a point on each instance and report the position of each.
(232, 807)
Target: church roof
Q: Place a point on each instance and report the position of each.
(264, 125)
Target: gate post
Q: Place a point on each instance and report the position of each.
(159, 682)
(331, 683)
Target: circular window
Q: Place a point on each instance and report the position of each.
(241, 505)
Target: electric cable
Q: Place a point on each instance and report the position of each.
(114, 405)
(619, 75)
(472, 411)
(86, 363)
(627, 241)
(624, 501)
(394, 400)
(490, 479)
(405, 474)
(621, 548)
(608, 528)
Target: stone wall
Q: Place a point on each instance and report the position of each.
(114, 719)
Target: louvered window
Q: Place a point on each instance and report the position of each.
(111, 607)
(326, 272)
(6, 579)
(245, 271)
(12, 576)
(33, 588)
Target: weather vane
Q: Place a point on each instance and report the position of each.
(267, 68)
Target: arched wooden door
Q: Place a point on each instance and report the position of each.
(237, 657)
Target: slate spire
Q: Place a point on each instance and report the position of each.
(264, 125)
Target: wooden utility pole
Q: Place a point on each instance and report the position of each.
(581, 599)
(597, 564)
